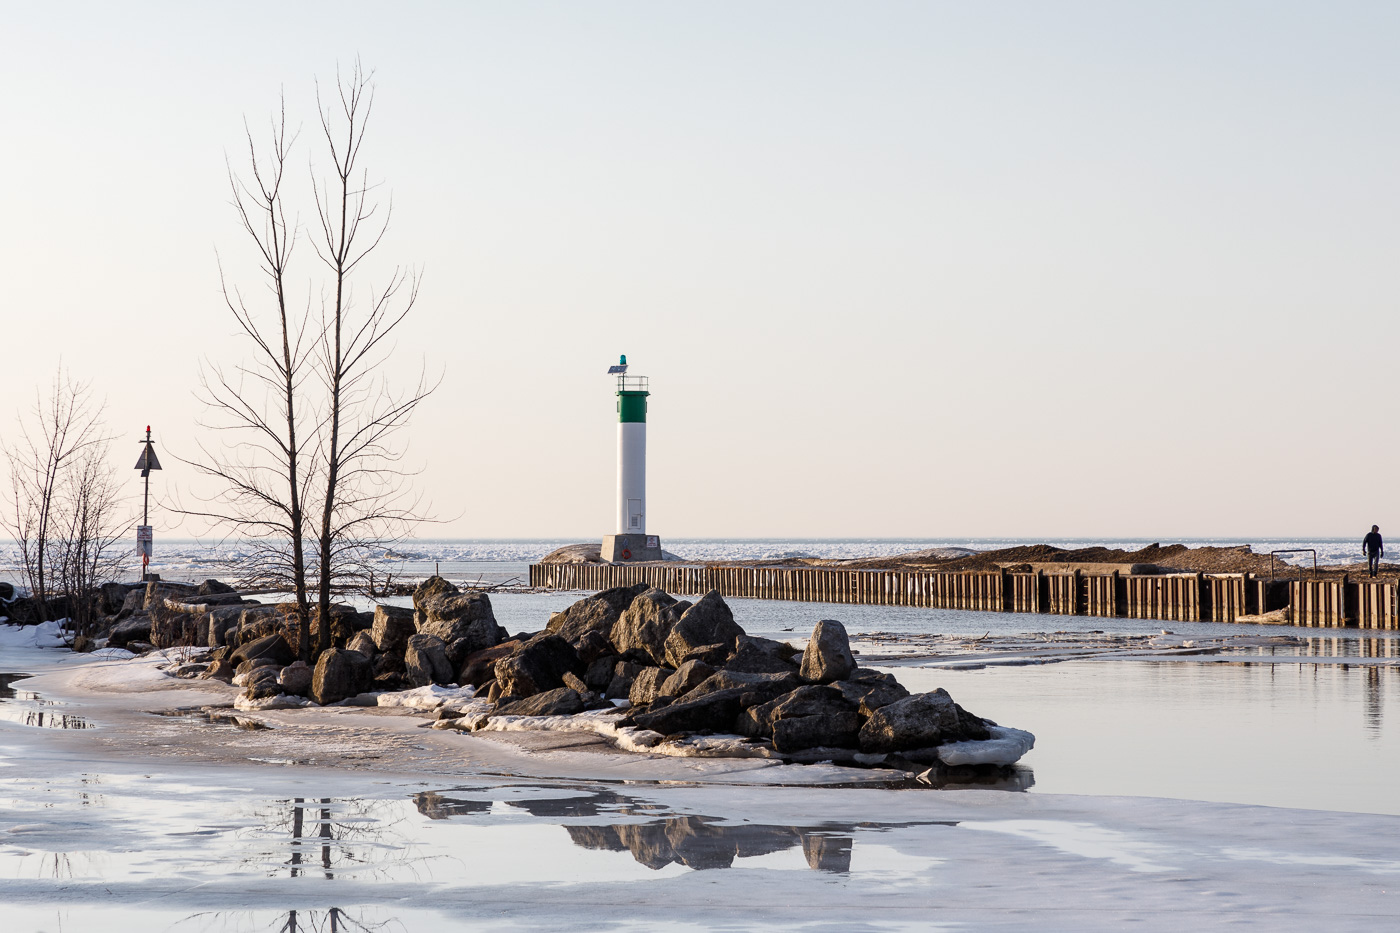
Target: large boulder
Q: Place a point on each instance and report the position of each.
(828, 656)
(596, 613)
(425, 661)
(761, 656)
(479, 667)
(562, 701)
(686, 678)
(919, 721)
(599, 673)
(214, 588)
(135, 601)
(756, 688)
(219, 622)
(870, 690)
(713, 712)
(624, 675)
(339, 674)
(270, 647)
(112, 597)
(136, 628)
(157, 591)
(538, 666)
(296, 678)
(646, 685)
(430, 588)
(262, 682)
(363, 642)
(708, 622)
(644, 627)
(808, 717)
(464, 621)
(392, 627)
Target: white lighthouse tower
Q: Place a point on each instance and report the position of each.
(630, 541)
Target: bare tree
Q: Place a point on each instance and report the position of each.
(63, 429)
(364, 501)
(262, 465)
(313, 415)
(89, 533)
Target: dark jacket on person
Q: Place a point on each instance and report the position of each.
(1372, 544)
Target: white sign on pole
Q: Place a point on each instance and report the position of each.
(144, 541)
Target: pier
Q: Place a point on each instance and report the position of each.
(1172, 597)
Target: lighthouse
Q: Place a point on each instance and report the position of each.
(630, 541)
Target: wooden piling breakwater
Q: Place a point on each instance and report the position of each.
(1171, 597)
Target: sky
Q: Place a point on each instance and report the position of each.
(893, 269)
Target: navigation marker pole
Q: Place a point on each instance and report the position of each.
(145, 542)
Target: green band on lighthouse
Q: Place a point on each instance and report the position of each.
(632, 407)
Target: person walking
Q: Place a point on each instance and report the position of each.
(1373, 547)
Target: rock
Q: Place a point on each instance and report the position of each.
(244, 668)
(597, 613)
(430, 588)
(594, 645)
(135, 601)
(624, 675)
(646, 686)
(828, 656)
(807, 701)
(392, 628)
(175, 629)
(714, 655)
(221, 669)
(388, 664)
(686, 678)
(600, 672)
(479, 667)
(708, 622)
(757, 688)
(272, 647)
(296, 678)
(214, 588)
(870, 690)
(254, 623)
(220, 622)
(339, 674)
(538, 666)
(714, 712)
(464, 621)
(389, 681)
(133, 629)
(262, 683)
(364, 643)
(918, 721)
(562, 701)
(113, 597)
(83, 644)
(575, 683)
(425, 661)
(158, 591)
(139, 647)
(753, 656)
(646, 624)
(7, 591)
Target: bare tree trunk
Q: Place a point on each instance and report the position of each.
(360, 414)
(267, 479)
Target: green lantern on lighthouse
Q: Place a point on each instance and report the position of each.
(630, 541)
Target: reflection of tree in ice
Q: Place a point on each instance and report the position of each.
(329, 838)
(331, 920)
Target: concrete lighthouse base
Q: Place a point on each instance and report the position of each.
(630, 549)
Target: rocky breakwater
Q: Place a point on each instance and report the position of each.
(635, 665)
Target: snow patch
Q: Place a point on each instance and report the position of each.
(429, 697)
(281, 701)
(44, 635)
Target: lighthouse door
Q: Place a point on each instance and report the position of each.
(636, 520)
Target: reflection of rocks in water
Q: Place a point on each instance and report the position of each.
(7, 692)
(995, 777)
(438, 807)
(698, 843)
(827, 853)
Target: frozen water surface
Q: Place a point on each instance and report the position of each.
(1248, 787)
